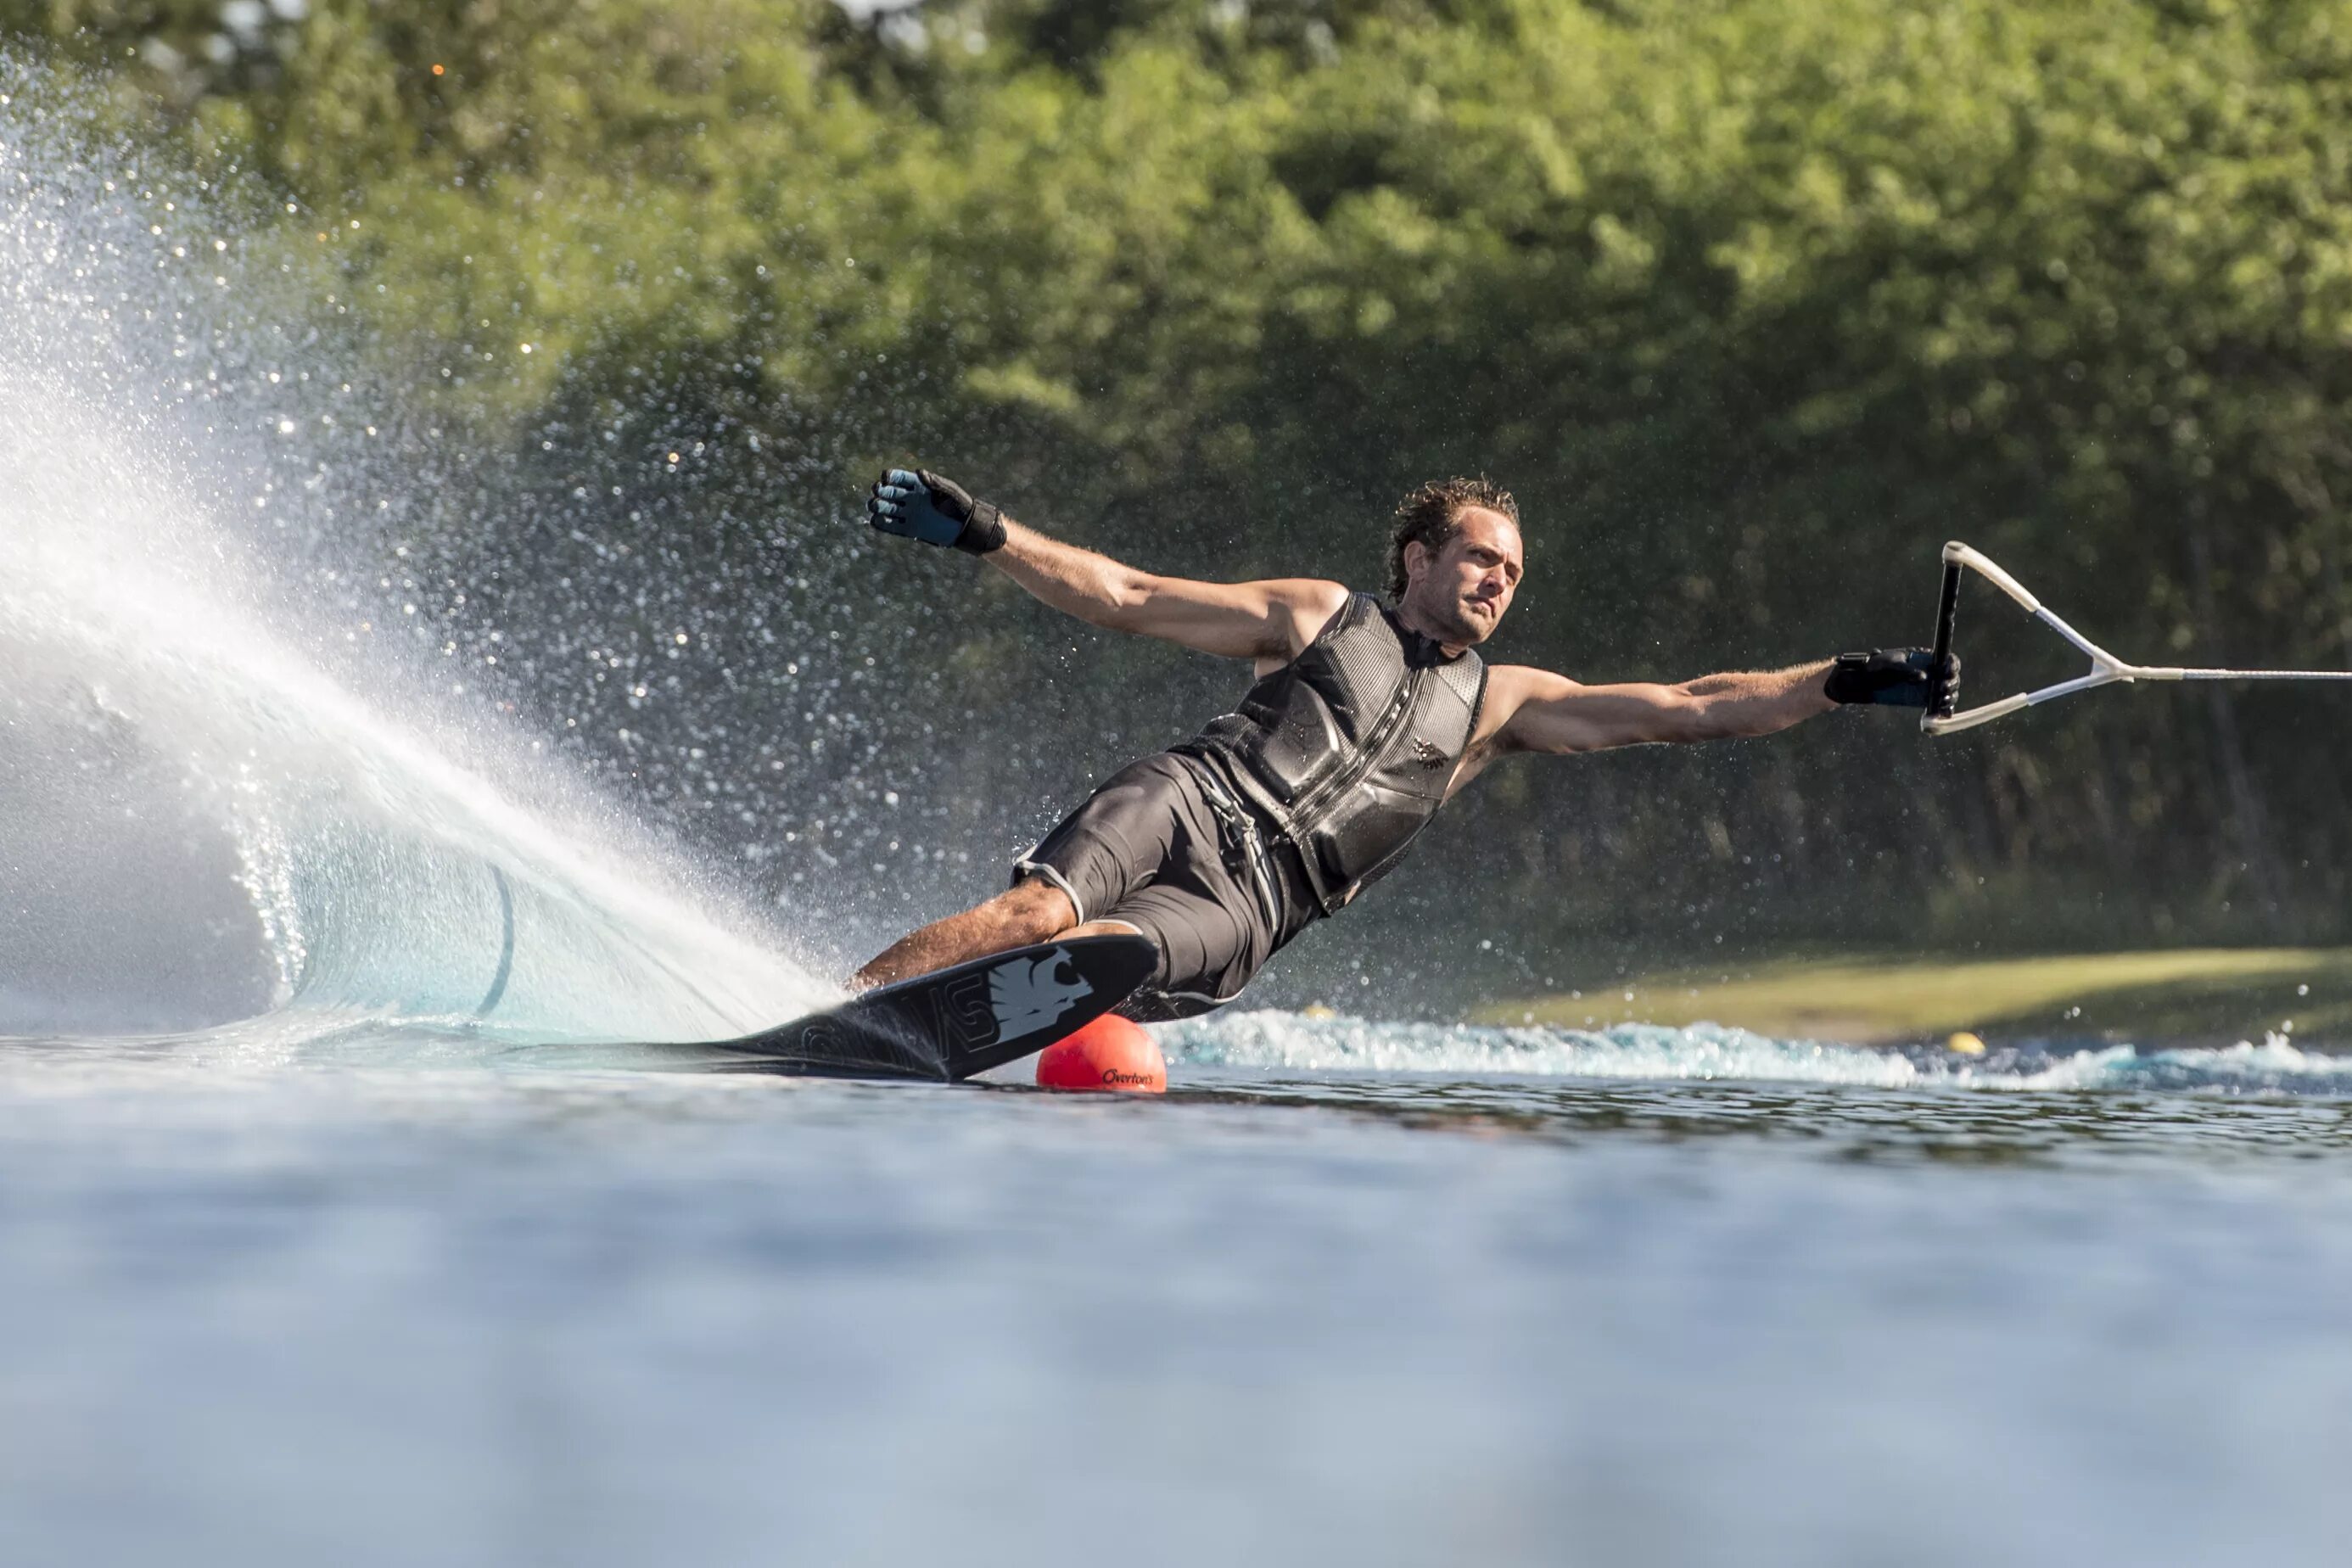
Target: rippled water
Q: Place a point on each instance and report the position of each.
(396, 1295)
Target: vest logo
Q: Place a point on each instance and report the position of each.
(1428, 754)
(1027, 995)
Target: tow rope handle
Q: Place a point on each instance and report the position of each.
(2106, 668)
(1948, 611)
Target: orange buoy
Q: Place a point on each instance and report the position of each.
(1111, 1053)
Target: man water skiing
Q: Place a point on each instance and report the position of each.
(1364, 718)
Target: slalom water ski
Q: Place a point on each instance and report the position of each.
(946, 1026)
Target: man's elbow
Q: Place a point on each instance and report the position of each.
(1121, 599)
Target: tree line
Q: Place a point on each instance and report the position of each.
(1752, 302)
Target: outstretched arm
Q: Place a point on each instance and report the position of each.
(1537, 711)
(1270, 621)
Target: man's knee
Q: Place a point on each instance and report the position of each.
(1034, 909)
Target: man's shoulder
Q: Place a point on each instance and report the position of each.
(1511, 687)
(1314, 604)
(1315, 595)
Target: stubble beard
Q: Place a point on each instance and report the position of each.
(1469, 629)
(1456, 626)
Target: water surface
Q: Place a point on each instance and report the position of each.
(402, 1296)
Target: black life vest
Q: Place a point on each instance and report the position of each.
(1345, 752)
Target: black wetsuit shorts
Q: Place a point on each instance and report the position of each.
(1165, 848)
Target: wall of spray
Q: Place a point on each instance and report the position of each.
(240, 768)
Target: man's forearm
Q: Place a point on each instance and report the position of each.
(1759, 702)
(1076, 582)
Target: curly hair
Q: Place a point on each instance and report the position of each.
(1431, 514)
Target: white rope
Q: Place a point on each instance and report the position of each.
(2106, 668)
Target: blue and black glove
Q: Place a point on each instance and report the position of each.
(1894, 677)
(916, 503)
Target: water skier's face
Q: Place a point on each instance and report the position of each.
(1463, 589)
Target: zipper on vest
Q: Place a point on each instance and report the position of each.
(1303, 816)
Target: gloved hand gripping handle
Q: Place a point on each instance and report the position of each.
(1894, 677)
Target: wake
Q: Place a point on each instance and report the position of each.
(1290, 1042)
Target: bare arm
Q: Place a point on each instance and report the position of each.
(1271, 621)
(1536, 710)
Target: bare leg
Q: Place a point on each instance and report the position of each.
(1031, 911)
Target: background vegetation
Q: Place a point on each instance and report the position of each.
(1753, 303)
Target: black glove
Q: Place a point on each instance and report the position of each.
(916, 503)
(1892, 676)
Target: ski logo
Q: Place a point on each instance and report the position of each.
(1029, 993)
(822, 1041)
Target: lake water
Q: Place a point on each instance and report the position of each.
(375, 1294)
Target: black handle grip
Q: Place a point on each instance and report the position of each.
(1947, 610)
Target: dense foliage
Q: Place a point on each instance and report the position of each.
(1753, 303)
